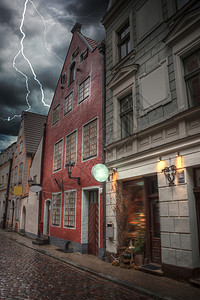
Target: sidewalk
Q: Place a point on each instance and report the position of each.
(157, 287)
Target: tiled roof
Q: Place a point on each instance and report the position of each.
(33, 130)
(91, 42)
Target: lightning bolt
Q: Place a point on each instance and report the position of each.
(21, 51)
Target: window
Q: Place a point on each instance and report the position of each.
(20, 147)
(56, 209)
(71, 148)
(55, 117)
(84, 90)
(90, 140)
(70, 209)
(16, 151)
(20, 132)
(126, 115)
(11, 178)
(83, 55)
(68, 103)
(57, 161)
(20, 172)
(72, 72)
(192, 78)
(75, 53)
(15, 176)
(63, 77)
(124, 45)
(17, 210)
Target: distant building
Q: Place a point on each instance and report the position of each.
(152, 122)
(6, 157)
(29, 137)
(72, 211)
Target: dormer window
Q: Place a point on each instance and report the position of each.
(72, 72)
(83, 55)
(75, 53)
(63, 78)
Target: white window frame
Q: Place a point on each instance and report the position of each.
(61, 140)
(52, 204)
(89, 92)
(96, 118)
(70, 227)
(75, 131)
(68, 96)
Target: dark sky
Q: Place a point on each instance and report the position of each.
(35, 36)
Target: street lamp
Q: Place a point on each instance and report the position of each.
(69, 168)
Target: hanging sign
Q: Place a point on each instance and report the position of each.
(100, 172)
(17, 190)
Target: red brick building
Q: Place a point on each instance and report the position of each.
(72, 213)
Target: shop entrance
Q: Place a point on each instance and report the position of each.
(196, 191)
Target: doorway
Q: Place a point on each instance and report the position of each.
(23, 219)
(47, 211)
(93, 223)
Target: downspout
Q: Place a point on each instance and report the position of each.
(102, 48)
(7, 195)
(41, 179)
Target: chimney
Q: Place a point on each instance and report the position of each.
(77, 27)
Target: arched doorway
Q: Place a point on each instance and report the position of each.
(23, 227)
(47, 212)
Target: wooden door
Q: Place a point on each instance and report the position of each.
(93, 223)
(155, 231)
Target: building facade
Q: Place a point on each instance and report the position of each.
(72, 209)
(153, 129)
(29, 137)
(5, 169)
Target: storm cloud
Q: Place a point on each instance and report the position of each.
(47, 28)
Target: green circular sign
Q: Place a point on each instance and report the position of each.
(100, 172)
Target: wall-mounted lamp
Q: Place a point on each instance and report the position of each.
(170, 173)
(69, 168)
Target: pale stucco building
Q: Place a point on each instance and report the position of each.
(152, 122)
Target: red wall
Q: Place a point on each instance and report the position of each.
(74, 120)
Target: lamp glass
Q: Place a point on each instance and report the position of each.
(100, 172)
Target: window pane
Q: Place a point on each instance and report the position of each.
(68, 103)
(84, 90)
(90, 140)
(55, 117)
(56, 208)
(70, 209)
(126, 115)
(194, 90)
(192, 78)
(191, 63)
(71, 148)
(58, 156)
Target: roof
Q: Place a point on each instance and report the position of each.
(33, 130)
(91, 42)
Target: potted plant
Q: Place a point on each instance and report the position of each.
(139, 245)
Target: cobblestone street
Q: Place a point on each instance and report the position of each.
(27, 274)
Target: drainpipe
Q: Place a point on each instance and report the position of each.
(41, 179)
(7, 196)
(102, 48)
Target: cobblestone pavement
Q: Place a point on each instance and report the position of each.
(27, 274)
